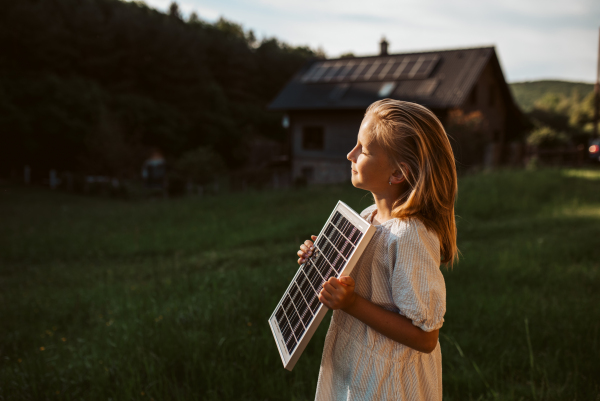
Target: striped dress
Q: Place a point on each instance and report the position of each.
(399, 271)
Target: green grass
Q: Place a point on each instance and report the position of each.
(170, 299)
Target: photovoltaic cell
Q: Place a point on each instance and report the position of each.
(337, 248)
(387, 68)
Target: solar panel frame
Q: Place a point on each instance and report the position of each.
(287, 319)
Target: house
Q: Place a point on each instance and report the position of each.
(325, 101)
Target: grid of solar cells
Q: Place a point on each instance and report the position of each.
(372, 69)
(301, 302)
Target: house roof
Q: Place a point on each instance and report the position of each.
(435, 79)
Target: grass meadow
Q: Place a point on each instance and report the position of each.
(104, 299)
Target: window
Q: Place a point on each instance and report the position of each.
(386, 89)
(312, 138)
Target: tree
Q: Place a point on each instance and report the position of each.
(110, 151)
(199, 166)
(547, 138)
(194, 19)
(567, 116)
(174, 11)
(170, 83)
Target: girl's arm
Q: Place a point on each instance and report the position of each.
(339, 294)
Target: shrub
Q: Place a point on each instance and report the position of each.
(546, 138)
(199, 166)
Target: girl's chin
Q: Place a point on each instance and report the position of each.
(356, 182)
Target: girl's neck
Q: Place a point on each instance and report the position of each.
(385, 202)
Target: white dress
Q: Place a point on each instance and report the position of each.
(399, 271)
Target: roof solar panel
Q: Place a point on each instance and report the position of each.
(416, 67)
(388, 68)
(424, 67)
(408, 68)
(400, 68)
(372, 70)
(346, 70)
(338, 247)
(359, 69)
(331, 72)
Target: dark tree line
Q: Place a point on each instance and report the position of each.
(91, 85)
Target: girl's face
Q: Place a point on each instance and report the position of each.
(371, 168)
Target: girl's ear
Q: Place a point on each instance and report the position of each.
(398, 176)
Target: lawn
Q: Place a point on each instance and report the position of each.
(169, 299)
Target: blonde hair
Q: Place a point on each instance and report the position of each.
(411, 134)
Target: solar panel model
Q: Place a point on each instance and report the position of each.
(338, 247)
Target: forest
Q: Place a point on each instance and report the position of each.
(95, 85)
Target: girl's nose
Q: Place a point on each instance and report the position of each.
(350, 156)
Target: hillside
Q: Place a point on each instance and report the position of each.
(526, 93)
(103, 82)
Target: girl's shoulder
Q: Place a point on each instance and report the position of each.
(406, 229)
(405, 233)
(411, 233)
(367, 214)
(411, 226)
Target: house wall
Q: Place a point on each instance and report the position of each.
(489, 101)
(328, 165)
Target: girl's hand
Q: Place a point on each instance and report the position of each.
(306, 250)
(338, 294)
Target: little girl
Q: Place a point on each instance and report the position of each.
(382, 342)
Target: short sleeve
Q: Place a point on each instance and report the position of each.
(418, 288)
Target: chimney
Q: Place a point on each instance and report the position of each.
(383, 47)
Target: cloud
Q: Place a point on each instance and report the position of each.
(534, 38)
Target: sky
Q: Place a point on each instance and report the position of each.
(549, 39)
